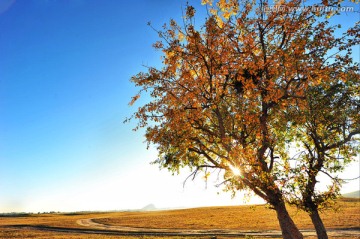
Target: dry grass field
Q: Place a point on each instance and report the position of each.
(256, 217)
(237, 217)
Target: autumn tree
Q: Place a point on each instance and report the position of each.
(327, 128)
(219, 100)
(324, 125)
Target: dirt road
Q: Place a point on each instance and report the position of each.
(90, 223)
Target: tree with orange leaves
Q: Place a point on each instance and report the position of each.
(223, 97)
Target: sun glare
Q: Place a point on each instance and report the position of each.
(235, 170)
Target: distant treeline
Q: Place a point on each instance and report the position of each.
(15, 214)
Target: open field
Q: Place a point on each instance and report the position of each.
(247, 218)
(236, 217)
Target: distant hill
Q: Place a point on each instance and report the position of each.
(150, 207)
(355, 194)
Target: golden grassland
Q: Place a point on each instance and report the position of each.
(256, 217)
(345, 215)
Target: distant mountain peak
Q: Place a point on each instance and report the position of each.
(150, 207)
(355, 194)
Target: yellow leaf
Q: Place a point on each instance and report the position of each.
(219, 21)
(204, 2)
(206, 176)
(181, 36)
(226, 15)
(213, 11)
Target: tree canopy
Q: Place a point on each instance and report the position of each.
(236, 93)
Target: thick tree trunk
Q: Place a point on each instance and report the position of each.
(287, 225)
(319, 225)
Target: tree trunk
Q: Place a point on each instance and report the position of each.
(318, 224)
(287, 225)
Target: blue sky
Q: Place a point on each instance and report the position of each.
(65, 67)
(64, 88)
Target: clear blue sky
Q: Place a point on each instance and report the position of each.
(65, 67)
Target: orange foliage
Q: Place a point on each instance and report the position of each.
(221, 97)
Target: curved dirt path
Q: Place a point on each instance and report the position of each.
(89, 223)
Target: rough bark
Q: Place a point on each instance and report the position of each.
(287, 225)
(319, 225)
